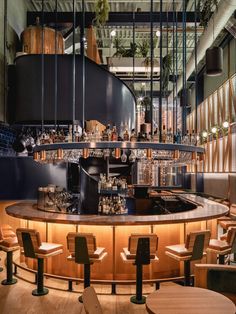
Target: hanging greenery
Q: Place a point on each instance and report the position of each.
(205, 9)
(102, 9)
(166, 70)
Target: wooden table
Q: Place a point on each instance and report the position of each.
(188, 300)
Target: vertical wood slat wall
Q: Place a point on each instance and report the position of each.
(213, 111)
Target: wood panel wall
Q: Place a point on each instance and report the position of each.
(213, 111)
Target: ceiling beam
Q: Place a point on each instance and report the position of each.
(115, 18)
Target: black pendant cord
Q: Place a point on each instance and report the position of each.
(133, 59)
(42, 71)
(167, 53)
(173, 66)
(5, 62)
(56, 67)
(152, 63)
(73, 72)
(184, 90)
(196, 67)
(82, 42)
(176, 69)
(161, 72)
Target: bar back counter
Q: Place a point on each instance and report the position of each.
(112, 233)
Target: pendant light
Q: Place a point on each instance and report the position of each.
(214, 58)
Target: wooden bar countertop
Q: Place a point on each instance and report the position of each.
(206, 209)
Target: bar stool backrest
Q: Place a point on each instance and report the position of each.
(191, 237)
(30, 240)
(133, 242)
(90, 239)
(6, 232)
(231, 236)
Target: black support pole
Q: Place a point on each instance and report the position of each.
(82, 40)
(42, 70)
(40, 280)
(55, 68)
(152, 63)
(73, 72)
(187, 273)
(86, 275)
(161, 66)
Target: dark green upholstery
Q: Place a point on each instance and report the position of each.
(221, 280)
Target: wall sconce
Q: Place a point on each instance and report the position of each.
(204, 134)
(214, 129)
(225, 124)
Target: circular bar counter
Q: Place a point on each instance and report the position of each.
(112, 232)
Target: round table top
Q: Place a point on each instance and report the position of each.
(188, 300)
(206, 209)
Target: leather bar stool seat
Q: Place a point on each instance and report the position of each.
(8, 244)
(224, 245)
(32, 246)
(141, 250)
(193, 249)
(83, 250)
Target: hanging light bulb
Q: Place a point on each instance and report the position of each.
(214, 61)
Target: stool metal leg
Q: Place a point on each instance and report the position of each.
(139, 298)
(187, 273)
(10, 280)
(40, 287)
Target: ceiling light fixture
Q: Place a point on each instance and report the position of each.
(113, 33)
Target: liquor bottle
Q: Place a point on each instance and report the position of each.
(133, 137)
(84, 136)
(114, 134)
(76, 133)
(97, 134)
(126, 135)
(169, 137)
(105, 134)
(155, 137)
(163, 134)
(193, 138)
(178, 137)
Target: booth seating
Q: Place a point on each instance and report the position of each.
(224, 246)
(91, 302)
(9, 244)
(142, 249)
(29, 240)
(83, 250)
(193, 249)
(219, 278)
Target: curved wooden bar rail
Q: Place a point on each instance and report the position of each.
(112, 232)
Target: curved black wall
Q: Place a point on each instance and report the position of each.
(107, 98)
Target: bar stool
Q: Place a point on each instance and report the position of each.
(224, 246)
(83, 250)
(193, 249)
(142, 249)
(9, 244)
(29, 240)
